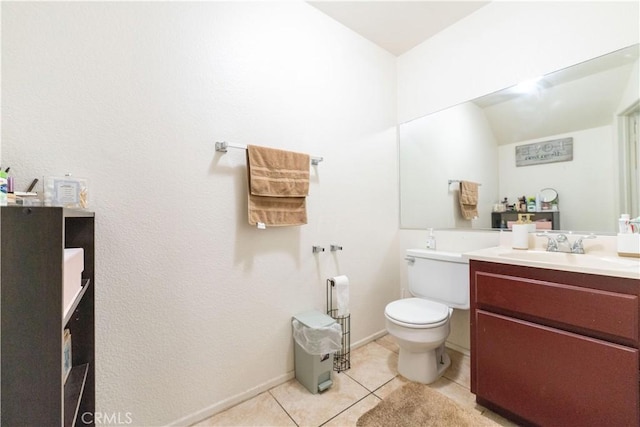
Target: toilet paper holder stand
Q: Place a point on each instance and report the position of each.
(342, 358)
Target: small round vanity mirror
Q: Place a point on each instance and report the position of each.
(548, 195)
(549, 199)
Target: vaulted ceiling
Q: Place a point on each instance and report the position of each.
(397, 26)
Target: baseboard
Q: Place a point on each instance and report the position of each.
(232, 401)
(457, 348)
(253, 392)
(368, 339)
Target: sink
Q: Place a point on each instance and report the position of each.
(586, 261)
(603, 261)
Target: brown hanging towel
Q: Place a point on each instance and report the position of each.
(278, 183)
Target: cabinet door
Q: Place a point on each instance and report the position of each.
(31, 314)
(555, 378)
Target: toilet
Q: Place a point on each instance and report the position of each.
(438, 282)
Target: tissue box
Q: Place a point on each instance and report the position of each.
(629, 245)
(69, 192)
(72, 282)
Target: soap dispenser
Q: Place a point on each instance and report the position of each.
(520, 232)
(431, 240)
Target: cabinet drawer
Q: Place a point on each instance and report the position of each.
(552, 377)
(606, 314)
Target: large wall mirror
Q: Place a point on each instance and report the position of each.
(594, 105)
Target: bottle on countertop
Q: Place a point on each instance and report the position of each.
(623, 224)
(628, 236)
(431, 240)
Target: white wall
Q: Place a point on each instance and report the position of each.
(507, 42)
(193, 305)
(580, 185)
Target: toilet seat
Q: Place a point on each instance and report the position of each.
(417, 313)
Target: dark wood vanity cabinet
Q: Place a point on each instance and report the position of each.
(555, 348)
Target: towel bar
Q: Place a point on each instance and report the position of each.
(451, 181)
(223, 145)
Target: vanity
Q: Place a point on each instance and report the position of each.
(555, 336)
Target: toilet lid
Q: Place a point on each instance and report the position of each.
(417, 311)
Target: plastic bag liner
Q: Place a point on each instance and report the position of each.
(318, 341)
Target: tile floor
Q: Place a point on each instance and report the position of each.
(372, 377)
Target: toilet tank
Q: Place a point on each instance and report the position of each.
(439, 276)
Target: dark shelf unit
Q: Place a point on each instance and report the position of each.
(33, 389)
(500, 219)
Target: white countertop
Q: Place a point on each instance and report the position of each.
(599, 258)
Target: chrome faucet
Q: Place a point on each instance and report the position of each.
(552, 244)
(555, 243)
(577, 247)
(563, 240)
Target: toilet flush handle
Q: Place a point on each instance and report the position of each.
(410, 260)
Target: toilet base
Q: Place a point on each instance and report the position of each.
(423, 367)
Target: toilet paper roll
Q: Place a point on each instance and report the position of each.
(341, 284)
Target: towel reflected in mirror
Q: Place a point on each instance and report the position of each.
(469, 199)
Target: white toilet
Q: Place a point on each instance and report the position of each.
(438, 282)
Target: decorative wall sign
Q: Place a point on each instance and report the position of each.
(556, 150)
